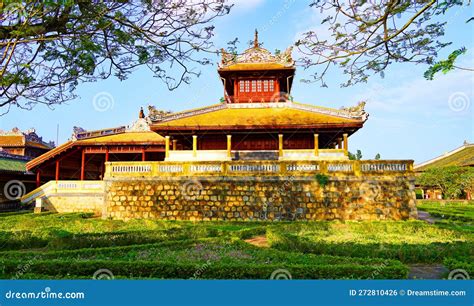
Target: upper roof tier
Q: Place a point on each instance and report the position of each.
(256, 58)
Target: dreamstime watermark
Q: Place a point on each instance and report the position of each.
(283, 9)
(280, 274)
(23, 268)
(14, 9)
(459, 102)
(281, 97)
(458, 274)
(369, 190)
(378, 270)
(201, 269)
(103, 274)
(191, 189)
(47, 293)
(14, 190)
(211, 258)
(103, 101)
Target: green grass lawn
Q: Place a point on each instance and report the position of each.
(74, 246)
(456, 215)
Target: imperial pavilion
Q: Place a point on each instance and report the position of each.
(256, 132)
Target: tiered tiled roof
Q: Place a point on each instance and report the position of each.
(29, 138)
(256, 58)
(261, 115)
(136, 134)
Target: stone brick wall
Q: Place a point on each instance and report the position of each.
(69, 203)
(381, 197)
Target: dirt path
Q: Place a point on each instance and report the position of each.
(417, 271)
(260, 241)
(425, 216)
(424, 271)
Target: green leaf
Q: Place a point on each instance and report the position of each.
(444, 66)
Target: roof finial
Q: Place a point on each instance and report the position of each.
(255, 41)
(141, 114)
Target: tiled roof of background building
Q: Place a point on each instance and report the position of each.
(462, 156)
(12, 163)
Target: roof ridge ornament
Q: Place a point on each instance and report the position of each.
(356, 111)
(257, 54)
(255, 40)
(79, 133)
(155, 114)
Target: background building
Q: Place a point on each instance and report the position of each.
(25, 143)
(462, 156)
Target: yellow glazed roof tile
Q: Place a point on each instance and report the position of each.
(123, 138)
(255, 66)
(281, 116)
(128, 137)
(462, 156)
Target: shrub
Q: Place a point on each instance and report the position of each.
(172, 270)
(462, 263)
(429, 251)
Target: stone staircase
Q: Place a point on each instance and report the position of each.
(255, 155)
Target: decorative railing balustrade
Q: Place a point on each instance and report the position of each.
(287, 155)
(63, 187)
(257, 168)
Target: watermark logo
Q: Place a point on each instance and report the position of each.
(103, 101)
(281, 97)
(200, 270)
(459, 102)
(103, 274)
(14, 190)
(281, 274)
(22, 269)
(14, 9)
(458, 274)
(191, 189)
(369, 190)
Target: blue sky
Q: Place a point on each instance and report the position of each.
(410, 118)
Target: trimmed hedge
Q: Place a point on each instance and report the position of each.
(225, 248)
(231, 259)
(407, 253)
(464, 263)
(61, 240)
(172, 270)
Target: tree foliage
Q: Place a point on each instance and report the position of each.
(365, 37)
(49, 47)
(444, 66)
(356, 156)
(451, 181)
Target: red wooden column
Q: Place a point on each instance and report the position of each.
(57, 171)
(38, 178)
(83, 160)
(236, 90)
(143, 155)
(106, 154)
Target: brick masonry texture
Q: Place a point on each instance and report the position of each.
(384, 197)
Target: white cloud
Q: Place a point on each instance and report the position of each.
(424, 97)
